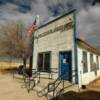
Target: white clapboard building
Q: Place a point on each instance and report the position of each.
(56, 49)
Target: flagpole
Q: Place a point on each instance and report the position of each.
(33, 28)
(31, 57)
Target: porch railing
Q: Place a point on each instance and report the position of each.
(50, 73)
(52, 87)
(30, 81)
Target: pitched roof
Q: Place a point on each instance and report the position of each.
(82, 44)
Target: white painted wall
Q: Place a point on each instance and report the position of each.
(85, 78)
(55, 42)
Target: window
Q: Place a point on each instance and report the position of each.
(85, 67)
(91, 62)
(97, 59)
(40, 61)
(44, 62)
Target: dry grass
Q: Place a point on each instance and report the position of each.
(8, 70)
(10, 65)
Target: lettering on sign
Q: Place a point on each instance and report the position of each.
(59, 28)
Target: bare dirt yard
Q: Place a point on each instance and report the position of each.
(14, 89)
(92, 92)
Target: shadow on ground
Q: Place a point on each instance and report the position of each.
(87, 95)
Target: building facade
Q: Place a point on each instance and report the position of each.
(88, 63)
(56, 47)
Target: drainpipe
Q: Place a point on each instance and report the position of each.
(75, 51)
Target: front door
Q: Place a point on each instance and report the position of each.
(65, 65)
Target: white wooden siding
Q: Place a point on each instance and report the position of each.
(85, 78)
(55, 42)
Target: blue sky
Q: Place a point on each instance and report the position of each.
(88, 14)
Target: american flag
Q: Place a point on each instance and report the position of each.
(34, 26)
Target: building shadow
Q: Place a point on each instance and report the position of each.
(86, 95)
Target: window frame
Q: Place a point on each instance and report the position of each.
(97, 62)
(85, 62)
(43, 61)
(91, 62)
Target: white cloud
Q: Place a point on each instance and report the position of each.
(9, 12)
(89, 25)
(88, 17)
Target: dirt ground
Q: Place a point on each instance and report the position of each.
(92, 92)
(14, 89)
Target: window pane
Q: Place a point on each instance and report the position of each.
(91, 62)
(40, 62)
(44, 62)
(47, 62)
(85, 67)
(97, 62)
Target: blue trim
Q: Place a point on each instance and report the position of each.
(59, 65)
(59, 61)
(70, 63)
(75, 49)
